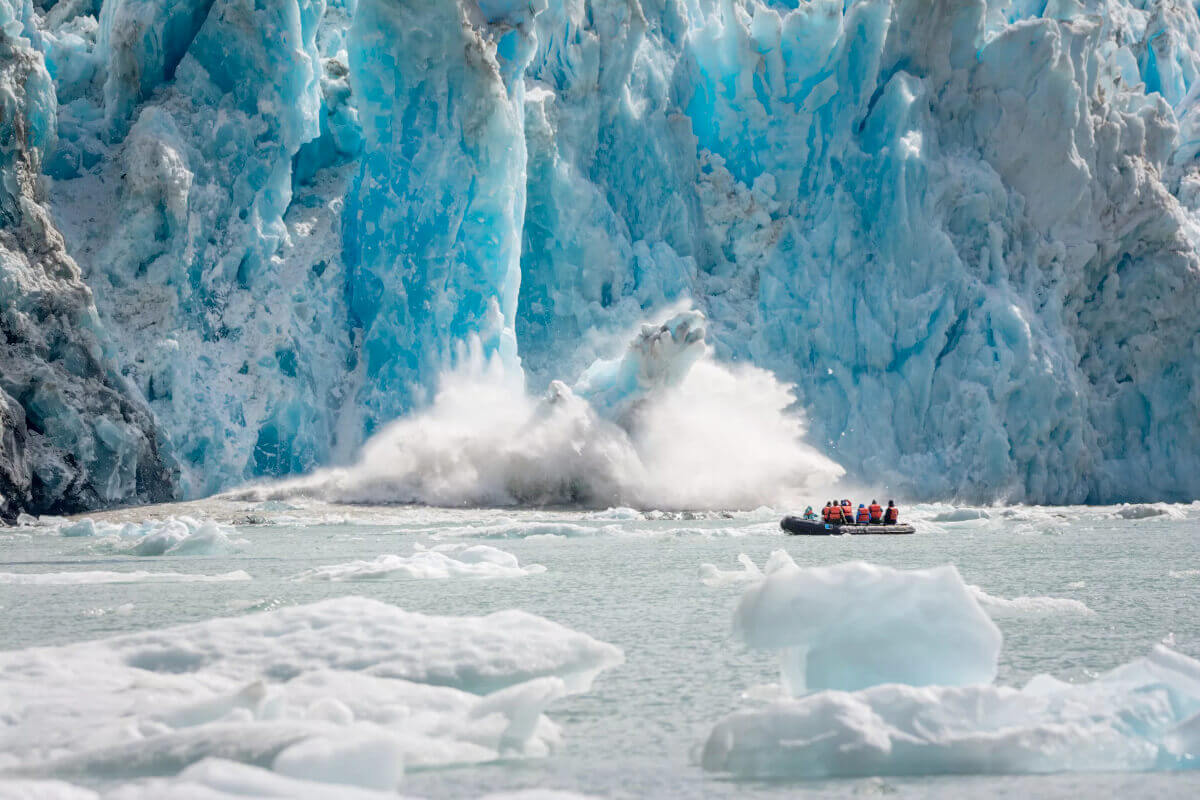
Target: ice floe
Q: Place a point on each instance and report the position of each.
(173, 536)
(1019, 606)
(479, 561)
(711, 575)
(1142, 716)
(904, 686)
(345, 691)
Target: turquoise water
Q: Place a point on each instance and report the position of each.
(635, 582)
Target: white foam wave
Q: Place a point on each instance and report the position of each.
(666, 426)
(101, 576)
(479, 561)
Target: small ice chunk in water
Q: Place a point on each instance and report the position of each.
(711, 575)
(854, 625)
(173, 536)
(479, 561)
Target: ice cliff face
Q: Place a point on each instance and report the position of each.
(968, 231)
(73, 433)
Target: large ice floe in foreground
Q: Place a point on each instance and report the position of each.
(890, 673)
(345, 691)
(238, 239)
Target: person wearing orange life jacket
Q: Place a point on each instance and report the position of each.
(875, 511)
(847, 512)
(863, 516)
(835, 514)
(892, 515)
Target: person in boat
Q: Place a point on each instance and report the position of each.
(875, 512)
(863, 516)
(892, 515)
(835, 514)
(847, 512)
(809, 514)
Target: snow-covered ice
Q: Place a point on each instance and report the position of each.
(342, 691)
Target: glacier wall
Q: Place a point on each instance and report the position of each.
(967, 231)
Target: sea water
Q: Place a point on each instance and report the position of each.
(1074, 591)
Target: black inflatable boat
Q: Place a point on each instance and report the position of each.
(799, 527)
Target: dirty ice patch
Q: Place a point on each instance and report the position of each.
(854, 625)
(1142, 716)
(80, 577)
(479, 561)
(1029, 606)
(173, 536)
(345, 691)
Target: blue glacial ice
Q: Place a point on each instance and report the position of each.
(887, 672)
(966, 232)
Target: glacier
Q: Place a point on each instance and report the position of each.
(238, 239)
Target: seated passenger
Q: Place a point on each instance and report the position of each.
(847, 511)
(892, 515)
(864, 516)
(809, 514)
(876, 512)
(835, 515)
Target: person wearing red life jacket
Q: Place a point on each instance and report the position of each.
(892, 515)
(835, 515)
(847, 512)
(863, 516)
(875, 511)
(825, 512)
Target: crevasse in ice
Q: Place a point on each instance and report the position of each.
(966, 230)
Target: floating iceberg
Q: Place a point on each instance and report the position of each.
(342, 691)
(855, 625)
(479, 561)
(173, 536)
(888, 672)
(1143, 716)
